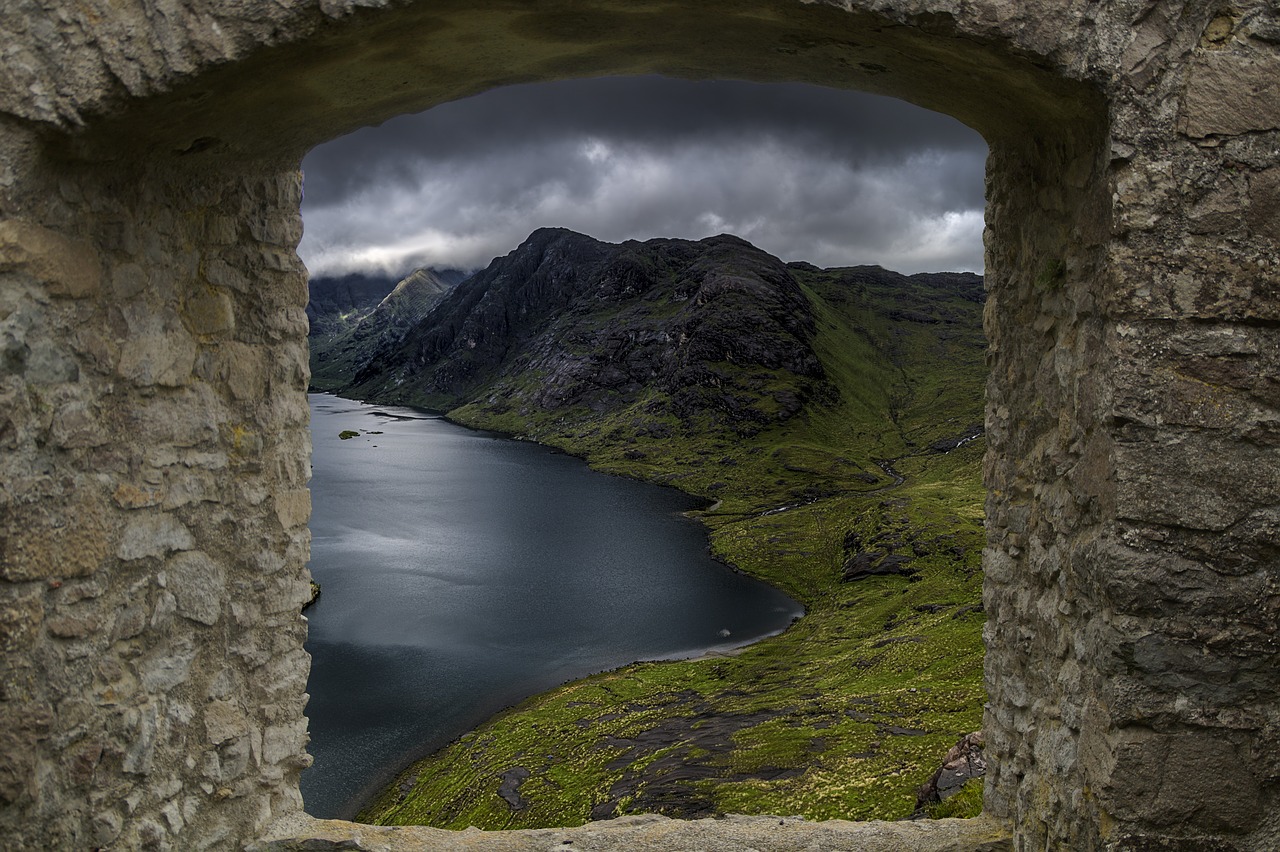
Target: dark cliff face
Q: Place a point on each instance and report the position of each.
(330, 298)
(356, 316)
(712, 333)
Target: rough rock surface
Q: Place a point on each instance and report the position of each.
(652, 833)
(963, 763)
(714, 332)
(354, 317)
(153, 367)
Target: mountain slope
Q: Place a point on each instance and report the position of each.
(713, 333)
(334, 302)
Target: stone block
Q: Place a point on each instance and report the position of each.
(165, 359)
(282, 742)
(286, 595)
(45, 363)
(1194, 778)
(245, 370)
(1264, 203)
(130, 496)
(233, 759)
(293, 508)
(65, 266)
(20, 619)
(198, 584)
(22, 726)
(46, 541)
(185, 418)
(1186, 478)
(1229, 93)
(144, 727)
(131, 621)
(166, 666)
(106, 827)
(184, 487)
(223, 721)
(153, 535)
(76, 425)
(208, 311)
(128, 280)
(82, 760)
(74, 626)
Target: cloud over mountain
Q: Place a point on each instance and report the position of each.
(823, 175)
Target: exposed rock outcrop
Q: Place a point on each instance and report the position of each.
(711, 332)
(964, 762)
(355, 316)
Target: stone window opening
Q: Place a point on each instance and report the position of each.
(154, 425)
(964, 433)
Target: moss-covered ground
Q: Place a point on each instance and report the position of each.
(851, 709)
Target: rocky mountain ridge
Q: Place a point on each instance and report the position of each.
(355, 315)
(831, 418)
(678, 334)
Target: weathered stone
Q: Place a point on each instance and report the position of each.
(20, 619)
(176, 419)
(1229, 94)
(1118, 199)
(1264, 203)
(1196, 778)
(293, 508)
(74, 626)
(106, 827)
(66, 266)
(158, 359)
(165, 667)
(128, 280)
(246, 375)
(75, 425)
(131, 621)
(129, 496)
(281, 742)
(144, 726)
(82, 760)
(44, 541)
(22, 726)
(208, 311)
(223, 721)
(153, 535)
(199, 584)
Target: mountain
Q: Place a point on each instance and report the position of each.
(354, 315)
(697, 334)
(832, 419)
(333, 299)
(702, 336)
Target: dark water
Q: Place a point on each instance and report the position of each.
(463, 572)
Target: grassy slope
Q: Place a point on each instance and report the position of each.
(846, 713)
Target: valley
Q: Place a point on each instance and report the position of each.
(832, 421)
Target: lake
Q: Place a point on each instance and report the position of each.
(463, 571)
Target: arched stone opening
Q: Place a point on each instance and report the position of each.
(154, 519)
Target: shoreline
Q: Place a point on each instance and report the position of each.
(376, 789)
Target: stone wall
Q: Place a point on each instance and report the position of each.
(155, 458)
(153, 368)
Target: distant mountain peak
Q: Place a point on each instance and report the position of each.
(354, 316)
(707, 334)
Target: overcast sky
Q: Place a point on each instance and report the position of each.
(832, 177)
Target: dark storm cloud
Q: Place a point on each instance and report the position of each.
(816, 174)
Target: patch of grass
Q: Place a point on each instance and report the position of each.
(966, 803)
